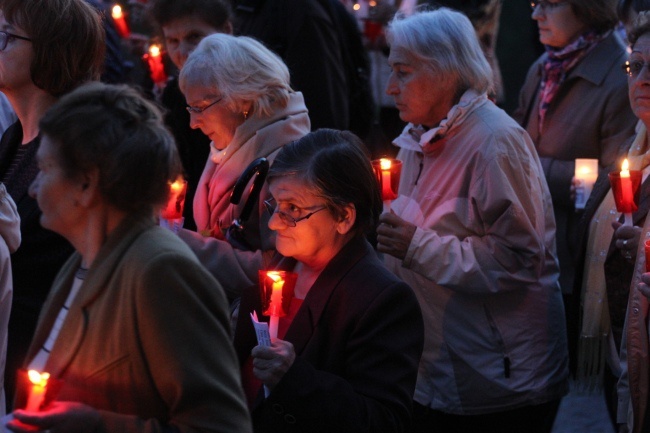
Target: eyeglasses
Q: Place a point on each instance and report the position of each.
(198, 110)
(546, 5)
(285, 217)
(634, 68)
(5, 37)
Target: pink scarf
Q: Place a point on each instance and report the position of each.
(558, 64)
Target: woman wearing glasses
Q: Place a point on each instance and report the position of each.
(346, 355)
(47, 48)
(573, 104)
(238, 94)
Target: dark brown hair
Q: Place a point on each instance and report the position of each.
(113, 129)
(335, 165)
(67, 39)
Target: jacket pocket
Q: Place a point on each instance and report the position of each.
(498, 338)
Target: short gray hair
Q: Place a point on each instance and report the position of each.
(446, 41)
(243, 70)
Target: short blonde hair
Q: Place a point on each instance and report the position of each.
(242, 69)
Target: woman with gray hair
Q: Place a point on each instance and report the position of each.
(472, 233)
(239, 94)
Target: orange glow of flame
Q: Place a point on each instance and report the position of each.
(154, 50)
(116, 12)
(625, 168)
(385, 163)
(356, 6)
(37, 378)
(177, 185)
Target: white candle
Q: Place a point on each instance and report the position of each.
(627, 195)
(276, 304)
(586, 172)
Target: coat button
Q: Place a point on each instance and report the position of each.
(290, 419)
(277, 408)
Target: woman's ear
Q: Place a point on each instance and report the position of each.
(89, 188)
(347, 219)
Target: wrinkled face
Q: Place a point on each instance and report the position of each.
(183, 35)
(314, 240)
(639, 83)
(421, 96)
(216, 121)
(557, 23)
(15, 59)
(55, 193)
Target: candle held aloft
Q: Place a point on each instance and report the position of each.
(386, 191)
(276, 290)
(388, 172)
(120, 21)
(586, 172)
(627, 192)
(626, 186)
(176, 201)
(156, 66)
(37, 390)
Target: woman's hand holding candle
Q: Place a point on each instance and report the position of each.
(65, 416)
(270, 363)
(627, 239)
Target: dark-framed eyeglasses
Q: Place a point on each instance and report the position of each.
(5, 37)
(546, 5)
(198, 110)
(633, 68)
(285, 217)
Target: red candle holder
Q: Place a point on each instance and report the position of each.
(627, 190)
(646, 246)
(276, 290)
(388, 173)
(176, 201)
(372, 29)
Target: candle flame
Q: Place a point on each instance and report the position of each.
(385, 163)
(177, 185)
(154, 50)
(585, 170)
(274, 275)
(116, 13)
(38, 378)
(626, 165)
(356, 6)
(372, 3)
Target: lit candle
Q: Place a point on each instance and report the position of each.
(176, 202)
(627, 195)
(120, 21)
(275, 307)
(156, 67)
(586, 172)
(386, 190)
(37, 390)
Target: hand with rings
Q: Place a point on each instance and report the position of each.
(627, 239)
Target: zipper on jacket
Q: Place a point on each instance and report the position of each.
(500, 342)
